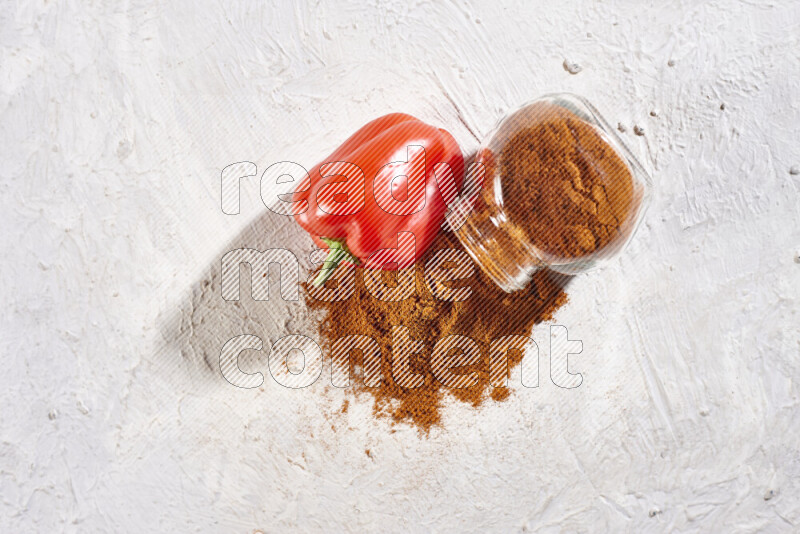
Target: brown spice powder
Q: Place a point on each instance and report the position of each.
(489, 313)
(571, 193)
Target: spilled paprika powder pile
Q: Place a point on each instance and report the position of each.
(488, 313)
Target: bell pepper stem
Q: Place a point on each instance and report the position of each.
(335, 256)
(337, 252)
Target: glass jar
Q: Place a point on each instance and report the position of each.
(561, 190)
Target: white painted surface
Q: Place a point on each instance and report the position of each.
(114, 125)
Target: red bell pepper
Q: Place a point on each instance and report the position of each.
(379, 191)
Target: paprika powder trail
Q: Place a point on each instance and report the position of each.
(379, 183)
(488, 313)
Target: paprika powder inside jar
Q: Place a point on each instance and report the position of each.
(561, 190)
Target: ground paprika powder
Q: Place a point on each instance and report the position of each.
(571, 193)
(489, 313)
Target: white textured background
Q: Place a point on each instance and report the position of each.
(114, 125)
